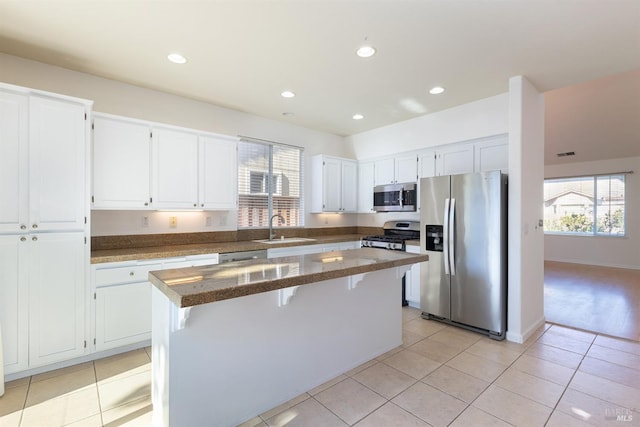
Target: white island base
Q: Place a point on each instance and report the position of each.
(222, 363)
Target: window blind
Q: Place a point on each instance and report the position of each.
(270, 182)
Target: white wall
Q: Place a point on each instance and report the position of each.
(113, 97)
(485, 117)
(526, 238)
(600, 250)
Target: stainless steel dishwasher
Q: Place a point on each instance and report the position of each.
(241, 256)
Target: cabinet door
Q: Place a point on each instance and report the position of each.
(57, 184)
(349, 188)
(57, 297)
(123, 315)
(406, 168)
(412, 280)
(332, 185)
(218, 173)
(427, 164)
(365, 187)
(175, 169)
(455, 160)
(384, 171)
(13, 302)
(14, 151)
(492, 155)
(121, 162)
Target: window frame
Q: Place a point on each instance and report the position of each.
(276, 186)
(594, 232)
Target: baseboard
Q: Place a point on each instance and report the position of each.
(599, 264)
(521, 338)
(76, 361)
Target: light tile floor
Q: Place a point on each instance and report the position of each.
(440, 376)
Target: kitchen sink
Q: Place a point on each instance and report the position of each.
(286, 240)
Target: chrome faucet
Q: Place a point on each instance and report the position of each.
(271, 233)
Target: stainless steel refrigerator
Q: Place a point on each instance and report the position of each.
(463, 221)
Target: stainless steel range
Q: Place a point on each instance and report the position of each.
(396, 234)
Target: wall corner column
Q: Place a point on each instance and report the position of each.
(526, 235)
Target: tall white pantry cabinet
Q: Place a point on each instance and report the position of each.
(44, 210)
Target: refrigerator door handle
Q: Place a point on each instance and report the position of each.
(452, 237)
(445, 237)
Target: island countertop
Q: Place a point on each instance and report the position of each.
(191, 286)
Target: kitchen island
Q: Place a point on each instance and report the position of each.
(231, 341)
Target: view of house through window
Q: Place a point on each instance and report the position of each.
(585, 205)
(269, 183)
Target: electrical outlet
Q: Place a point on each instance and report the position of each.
(145, 221)
(173, 221)
(326, 221)
(208, 222)
(223, 220)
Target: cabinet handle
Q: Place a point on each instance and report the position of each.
(23, 239)
(202, 205)
(146, 203)
(23, 227)
(34, 238)
(195, 205)
(34, 226)
(131, 273)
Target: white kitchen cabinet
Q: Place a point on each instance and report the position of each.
(175, 169)
(426, 164)
(121, 163)
(334, 184)
(218, 172)
(122, 294)
(366, 182)
(57, 164)
(122, 302)
(412, 279)
(394, 170)
(454, 159)
(44, 209)
(14, 161)
(492, 154)
(14, 304)
(57, 297)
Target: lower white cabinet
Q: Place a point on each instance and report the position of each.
(412, 280)
(123, 315)
(57, 295)
(123, 298)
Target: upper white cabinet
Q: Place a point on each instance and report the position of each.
(334, 184)
(426, 164)
(121, 161)
(454, 159)
(218, 183)
(366, 182)
(396, 169)
(42, 163)
(175, 169)
(144, 165)
(492, 154)
(14, 162)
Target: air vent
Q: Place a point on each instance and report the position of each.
(566, 153)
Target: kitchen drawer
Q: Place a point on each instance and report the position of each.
(129, 274)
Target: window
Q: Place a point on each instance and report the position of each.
(588, 205)
(269, 182)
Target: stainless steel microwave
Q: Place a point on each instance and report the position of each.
(395, 197)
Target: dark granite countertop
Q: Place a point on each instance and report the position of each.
(191, 286)
(167, 251)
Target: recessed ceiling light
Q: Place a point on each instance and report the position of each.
(437, 90)
(176, 58)
(358, 117)
(366, 51)
(287, 94)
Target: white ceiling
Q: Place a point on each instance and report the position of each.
(243, 53)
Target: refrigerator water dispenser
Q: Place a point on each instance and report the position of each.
(434, 238)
